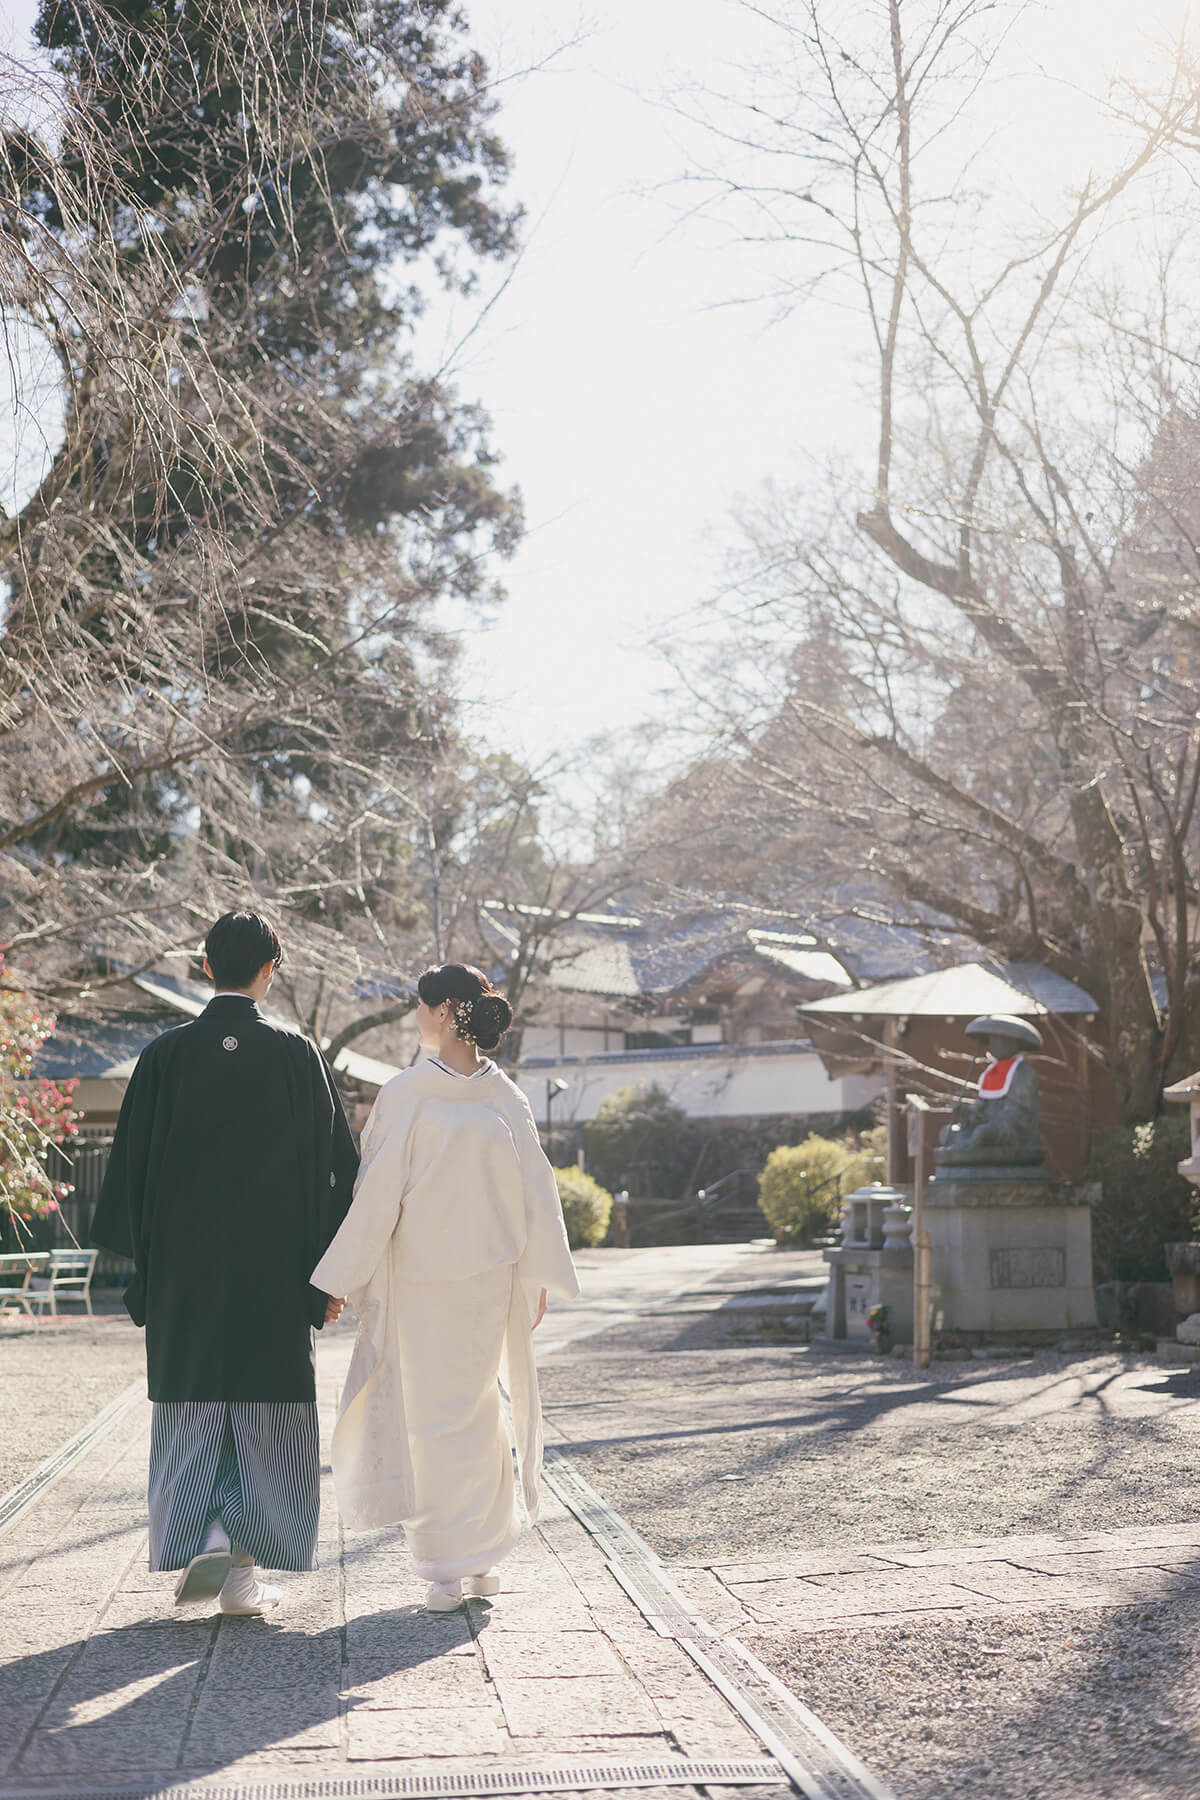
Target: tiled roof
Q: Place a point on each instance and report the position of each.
(856, 922)
(587, 965)
(672, 1053)
(968, 991)
(97, 1049)
(107, 1046)
(789, 953)
(629, 958)
(192, 997)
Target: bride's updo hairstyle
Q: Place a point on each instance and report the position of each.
(481, 1016)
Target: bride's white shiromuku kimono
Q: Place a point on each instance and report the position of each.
(454, 1230)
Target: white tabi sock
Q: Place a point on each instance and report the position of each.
(243, 1593)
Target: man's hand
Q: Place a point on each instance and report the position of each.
(541, 1311)
(333, 1310)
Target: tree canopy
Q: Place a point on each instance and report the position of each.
(222, 666)
(968, 675)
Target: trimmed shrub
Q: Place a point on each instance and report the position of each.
(1144, 1201)
(586, 1207)
(800, 1188)
(640, 1140)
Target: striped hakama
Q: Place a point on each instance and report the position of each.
(255, 1465)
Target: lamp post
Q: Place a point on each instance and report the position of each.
(554, 1087)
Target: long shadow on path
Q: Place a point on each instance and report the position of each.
(189, 1697)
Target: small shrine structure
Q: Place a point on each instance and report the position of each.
(1008, 1219)
(912, 1032)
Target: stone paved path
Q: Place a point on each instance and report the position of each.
(104, 1683)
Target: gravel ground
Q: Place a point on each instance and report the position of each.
(724, 1449)
(718, 1445)
(54, 1378)
(1052, 1706)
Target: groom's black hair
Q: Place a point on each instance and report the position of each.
(237, 947)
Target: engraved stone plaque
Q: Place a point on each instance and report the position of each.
(1042, 1268)
(858, 1304)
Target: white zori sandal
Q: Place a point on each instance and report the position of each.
(483, 1586)
(444, 1596)
(205, 1574)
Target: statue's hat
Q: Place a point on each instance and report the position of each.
(1007, 1025)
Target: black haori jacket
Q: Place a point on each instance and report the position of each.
(231, 1170)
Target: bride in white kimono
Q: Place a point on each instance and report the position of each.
(454, 1239)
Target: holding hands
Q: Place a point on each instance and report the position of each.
(333, 1310)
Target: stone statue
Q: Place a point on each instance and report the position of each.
(1002, 1128)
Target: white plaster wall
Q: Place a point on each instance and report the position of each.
(707, 1087)
(580, 1040)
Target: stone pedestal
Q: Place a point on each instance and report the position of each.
(1009, 1254)
(872, 1266)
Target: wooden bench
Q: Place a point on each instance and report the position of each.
(69, 1278)
(24, 1265)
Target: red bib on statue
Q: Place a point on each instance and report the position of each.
(996, 1079)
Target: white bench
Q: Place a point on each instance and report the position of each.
(70, 1278)
(24, 1265)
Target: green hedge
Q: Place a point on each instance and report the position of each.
(586, 1207)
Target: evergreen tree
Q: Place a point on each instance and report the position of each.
(220, 662)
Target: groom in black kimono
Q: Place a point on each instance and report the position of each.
(231, 1170)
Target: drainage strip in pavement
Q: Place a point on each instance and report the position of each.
(27, 1493)
(462, 1784)
(816, 1762)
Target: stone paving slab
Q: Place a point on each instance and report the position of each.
(557, 1707)
(105, 1683)
(1183, 1563)
(511, 1655)
(831, 1589)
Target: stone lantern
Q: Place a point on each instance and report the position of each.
(872, 1266)
(1189, 1089)
(1183, 1260)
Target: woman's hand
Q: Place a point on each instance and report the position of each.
(541, 1311)
(333, 1310)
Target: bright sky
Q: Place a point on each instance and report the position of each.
(631, 405)
(631, 401)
